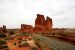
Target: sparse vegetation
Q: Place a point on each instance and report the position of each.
(25, 33)
(11, 33)
(23, 44)
(4, 47)
(2, 42)
(2, 35)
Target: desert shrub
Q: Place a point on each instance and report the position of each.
(14, 43)
(25, 33)
(19, 45)
(38, 45)
(3, 35)
(23, 44)
(4, 47)
(2, 42)
(11, 32)
(7, 38)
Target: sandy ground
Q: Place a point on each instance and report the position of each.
(15, 47)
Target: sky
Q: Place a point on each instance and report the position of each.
(13, 13)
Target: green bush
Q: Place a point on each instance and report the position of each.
(11, 32)
(2, 42)
(25, 33)
(3, 35)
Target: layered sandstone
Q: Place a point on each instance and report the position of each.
(26, 28)
(48, 24)
(41, 25)
(39, 22)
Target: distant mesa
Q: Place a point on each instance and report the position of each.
(41, 25)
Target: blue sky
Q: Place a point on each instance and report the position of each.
(15, 12)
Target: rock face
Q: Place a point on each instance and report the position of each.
(26, 28)
(39, 20)
(3, 29)
(41, 25)
(48, 24)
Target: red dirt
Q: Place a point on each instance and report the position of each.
(15, 47)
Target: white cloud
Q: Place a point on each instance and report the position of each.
(15, 12)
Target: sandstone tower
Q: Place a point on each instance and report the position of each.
(41, 25)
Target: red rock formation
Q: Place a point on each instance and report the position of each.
(39, 22)
(48, 24)
(41, 25)
(3, 29)
(39, 29)
(26, 28)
